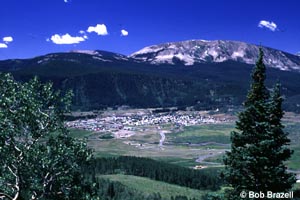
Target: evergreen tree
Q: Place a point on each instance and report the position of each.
(277, 150)
(258, 148)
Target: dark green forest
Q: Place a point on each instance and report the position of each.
(98, 85)
(156, 170)
(208, 179)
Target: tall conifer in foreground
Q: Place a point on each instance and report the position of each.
(277, 149)
(258, 148)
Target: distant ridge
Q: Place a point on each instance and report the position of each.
(191, 52)
(197, 74)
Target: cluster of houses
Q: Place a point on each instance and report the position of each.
(116, 122)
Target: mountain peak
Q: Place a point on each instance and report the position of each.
(191, 52)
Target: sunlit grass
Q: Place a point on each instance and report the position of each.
(219, 133)
(79, 133)
(148, 186)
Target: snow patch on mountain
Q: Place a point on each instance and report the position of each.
(98, 58)
(151, 49)
(202, 51)
(90, 52)
(121, 58)
(238, 54)
(164, 59)
(186, 58)
(44, 60)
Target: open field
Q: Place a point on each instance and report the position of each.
(217, 133)
(79, 133)
(148, 186)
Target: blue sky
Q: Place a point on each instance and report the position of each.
(30, 28)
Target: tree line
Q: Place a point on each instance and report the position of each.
(156, 170)
(112, 190)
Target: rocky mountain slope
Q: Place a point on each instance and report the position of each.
(192, 52)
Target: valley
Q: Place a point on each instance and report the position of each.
(163, 116)
(149, 100)
(189, 139)
(193, 139)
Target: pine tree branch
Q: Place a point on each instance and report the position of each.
(3, 195)
(16, 184)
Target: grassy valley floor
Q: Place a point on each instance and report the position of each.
(196, 146)
(148, 186)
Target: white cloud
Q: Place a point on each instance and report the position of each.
(124, 32)
(8, 39)
(66, 39)
(269, 25)
(2, 45)
(100, 29)
(84, 34)
(66, 1)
